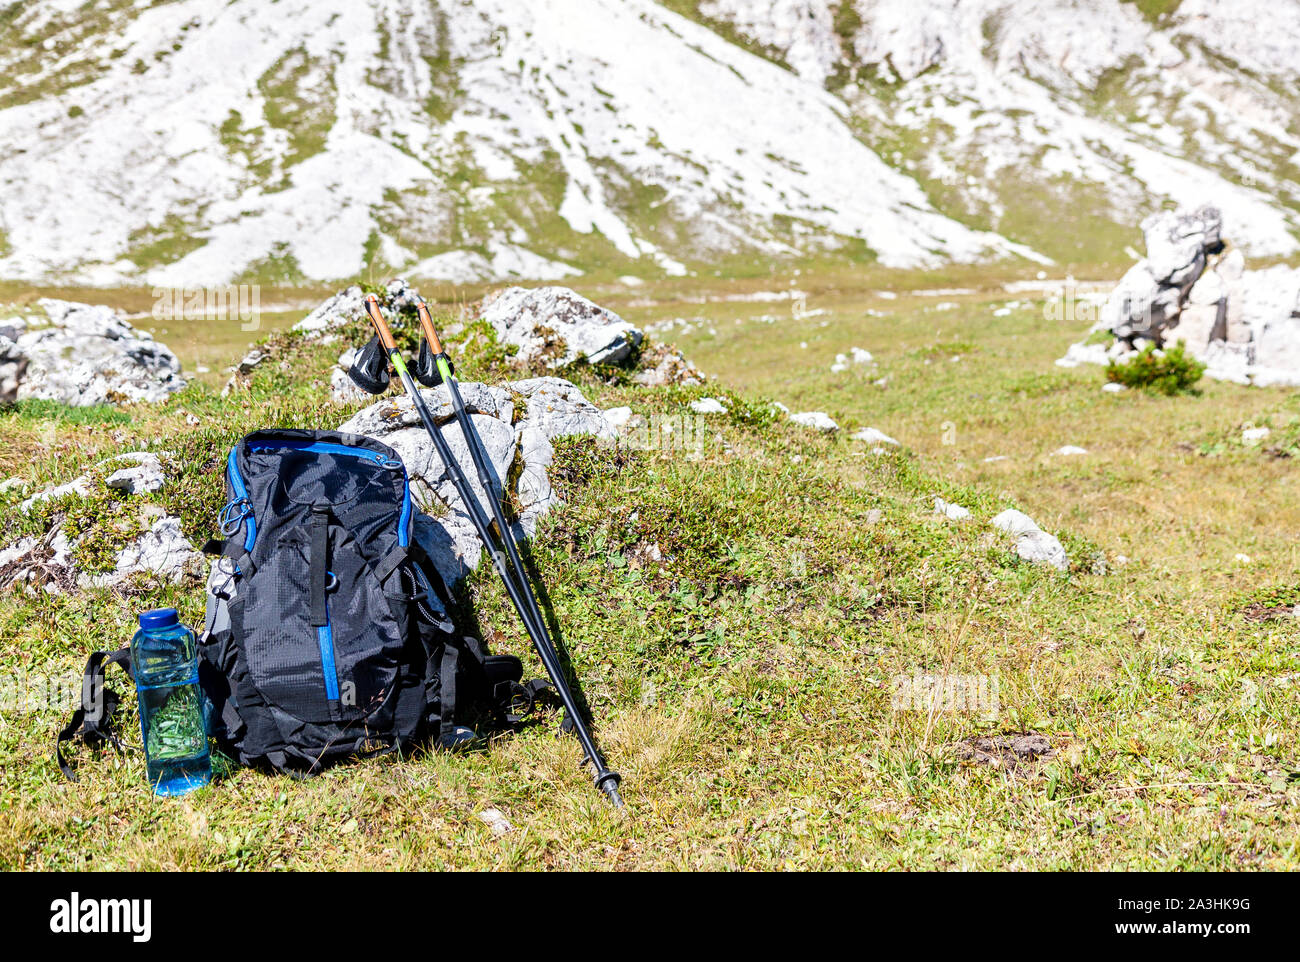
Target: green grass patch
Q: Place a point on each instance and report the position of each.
(37, 410)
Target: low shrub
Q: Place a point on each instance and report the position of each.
(1168, 372)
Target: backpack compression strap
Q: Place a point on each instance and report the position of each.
(93, 721)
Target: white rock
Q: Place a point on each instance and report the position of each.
(1208, 289)
(250, 361)
(1014, 522)
(80, 486)
(815, 419)
(1069, 450)
(618, 418)
(1040, 547)
(47, 561)
(558, 408)
(1176, 243)
(1254, 435)
(1077, 354)
(954, 512)
(390, 414)
(533, 490)
(349, 305)
(996, 457)
(494, 820)
(708, 405)
(1232, 265)
(145, 474)
(162, 550)
(13, 367)
(554, 326)
(860, 355)
(872, 436)
(90, 355)
(344, 390)
(666, 365)
(1031, 542)
(1114, 387)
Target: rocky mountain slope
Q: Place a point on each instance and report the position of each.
(197, 141)
(1052, 121)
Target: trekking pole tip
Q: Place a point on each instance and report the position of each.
(608, 783)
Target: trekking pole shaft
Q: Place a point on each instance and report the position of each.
(520, 592)
(606, 779)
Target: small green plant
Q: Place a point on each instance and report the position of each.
(1167, 372)
(483, 354)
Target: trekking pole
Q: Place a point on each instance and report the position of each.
(520, 591)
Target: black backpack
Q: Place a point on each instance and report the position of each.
(325, 635)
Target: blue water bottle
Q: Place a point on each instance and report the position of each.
(164, 657)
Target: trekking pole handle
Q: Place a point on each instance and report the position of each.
(426, 323)
(381, 326)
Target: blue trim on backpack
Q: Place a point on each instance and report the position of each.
(404, 522)
(318, 447)
(325, 639)
(241, 492)
(325, 447)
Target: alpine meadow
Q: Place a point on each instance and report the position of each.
(650, 436)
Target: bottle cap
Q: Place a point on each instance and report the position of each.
(159, 618)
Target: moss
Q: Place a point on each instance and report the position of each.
(100, 527)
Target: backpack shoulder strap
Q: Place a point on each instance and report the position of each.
(93, 721)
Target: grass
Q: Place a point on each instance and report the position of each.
(744, 682)
(298, 92)
(1156, 10)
